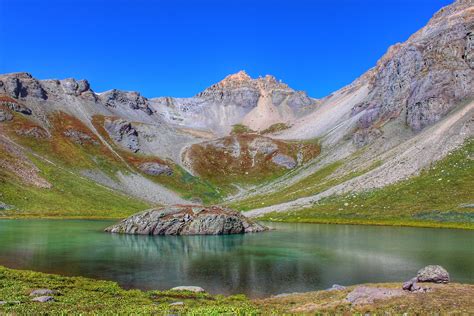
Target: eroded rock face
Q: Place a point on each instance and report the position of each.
(123, 133)
(79, 137)
(33, 132)
(238, 98)
(187, 220)
(425, 77)
(22, 85)
(5, 116)
(13, 105)
(156, 169)
(134, 100)
(284, 161)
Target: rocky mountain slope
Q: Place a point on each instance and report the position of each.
(256, 103)
(242, 139)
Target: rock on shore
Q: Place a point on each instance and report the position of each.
(187, 220)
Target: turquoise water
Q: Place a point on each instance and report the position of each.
(291, 258)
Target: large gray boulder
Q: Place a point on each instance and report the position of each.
(187, 220)
(433, 273)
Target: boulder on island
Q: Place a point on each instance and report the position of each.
(187, 220)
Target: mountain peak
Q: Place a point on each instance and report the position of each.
(239, 77)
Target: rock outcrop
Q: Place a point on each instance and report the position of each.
(431, 273)
(423, 78)
(123, 133)
(156, 169)
(187, 220)
(133, 100)
(363, 295)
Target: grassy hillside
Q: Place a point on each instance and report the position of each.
(69, 196)
(311, 185)
(441, 196)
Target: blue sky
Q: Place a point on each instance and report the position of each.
(178, 48)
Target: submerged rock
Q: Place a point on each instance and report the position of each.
(187, 220)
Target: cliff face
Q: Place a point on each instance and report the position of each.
(422, 79)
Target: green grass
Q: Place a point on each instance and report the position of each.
(313, 184)
(70, 196)
(77, 295)
(84, 296)
(432, 199)
(277, 127)
(241, 129)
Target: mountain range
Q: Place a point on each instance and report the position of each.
(255, 144)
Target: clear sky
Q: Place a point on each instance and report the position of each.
(178, 47)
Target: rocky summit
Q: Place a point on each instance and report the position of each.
(187, 220)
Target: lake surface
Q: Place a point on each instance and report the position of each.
(292, 258)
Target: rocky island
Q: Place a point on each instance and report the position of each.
(187, 220)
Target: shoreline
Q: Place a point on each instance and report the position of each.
(332, 221)
(92, 296)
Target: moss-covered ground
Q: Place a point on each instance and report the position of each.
(83, 296)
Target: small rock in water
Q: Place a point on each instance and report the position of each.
(336, 287)
(177, 304)
(433, 273)
(42, 292)
(195, 289)
(43, 299)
